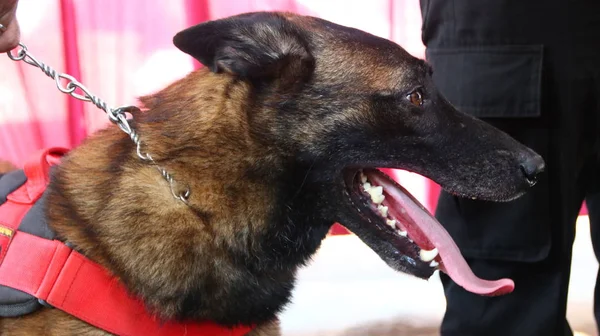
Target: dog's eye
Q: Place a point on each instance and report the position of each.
(416, 97)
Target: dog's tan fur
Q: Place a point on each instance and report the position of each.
(103, 184)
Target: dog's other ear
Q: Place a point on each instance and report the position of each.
(252, 45)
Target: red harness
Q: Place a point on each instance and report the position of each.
(65, 279)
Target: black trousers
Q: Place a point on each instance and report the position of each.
(530, 239)
(538, 304)
(532, 69)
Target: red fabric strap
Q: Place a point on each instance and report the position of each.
(51, 271)
(67, 280)
(20, 201)
(11, 214)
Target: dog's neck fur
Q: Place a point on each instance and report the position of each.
(222, 257)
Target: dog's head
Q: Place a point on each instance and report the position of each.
(335, 104)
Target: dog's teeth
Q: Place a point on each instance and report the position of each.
(376, 194)
(377, 199)
(383, 210)
(403, 233)
(367, 186)
(473, 198)
(428, 255)
(434, 263)
(376, 190)
(391, 222)
(363, 178)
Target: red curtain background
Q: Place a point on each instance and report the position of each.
(122, 49)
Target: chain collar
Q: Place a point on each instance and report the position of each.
(117, 116)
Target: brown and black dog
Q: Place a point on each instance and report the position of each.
(276, 138)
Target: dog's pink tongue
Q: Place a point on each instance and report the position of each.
(452, 261)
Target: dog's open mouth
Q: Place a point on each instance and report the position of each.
(421, 244)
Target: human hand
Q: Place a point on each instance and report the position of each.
(9, 29)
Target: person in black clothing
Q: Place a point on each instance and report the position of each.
(531, 68)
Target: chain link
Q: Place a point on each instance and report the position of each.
(69, 85)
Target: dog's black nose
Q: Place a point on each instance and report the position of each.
(531, 167)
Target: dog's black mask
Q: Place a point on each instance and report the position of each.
(337, 103)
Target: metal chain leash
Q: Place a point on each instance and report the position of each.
(115, 115)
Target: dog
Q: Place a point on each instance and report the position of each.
(278, 137)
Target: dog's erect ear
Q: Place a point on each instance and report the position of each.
(253, 45)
